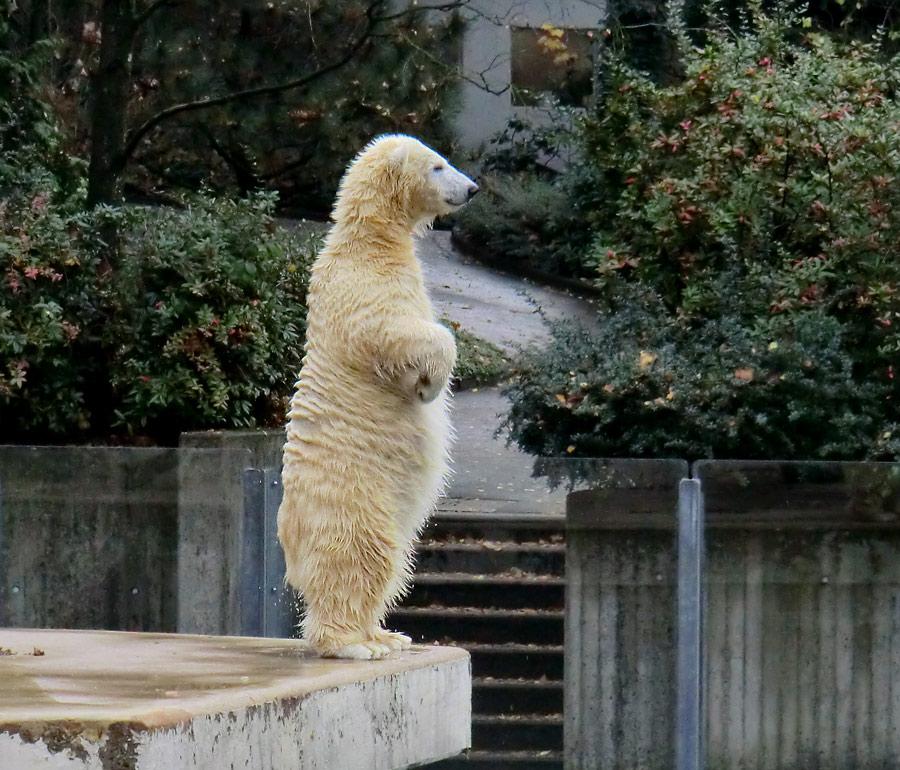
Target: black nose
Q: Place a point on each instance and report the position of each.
(472, 190)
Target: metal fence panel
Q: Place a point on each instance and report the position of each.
(266, 607)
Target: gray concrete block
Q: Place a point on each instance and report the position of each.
(266, 446)
(83, 700)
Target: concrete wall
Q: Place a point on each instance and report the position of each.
(620, 620)
(486, 106)
(88, 537)
(125, 539)
(803, 650)
(801, 643)
(265, 446)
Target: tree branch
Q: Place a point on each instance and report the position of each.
(450, 5)
(144, 15)
(135, 136)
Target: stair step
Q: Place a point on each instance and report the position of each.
(512, 648)
(490, 682)
(499, 579)
(535, 732)
(536, 720)
(495, 613)
(457, 625)
(450, 513)
(477, 546)
(543, 595)
(427, 624)
(491, 557)
(492, 695)
(507, 661)
(503, 760)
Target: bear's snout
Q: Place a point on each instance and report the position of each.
(472, 189)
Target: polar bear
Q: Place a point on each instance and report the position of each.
(368, 428)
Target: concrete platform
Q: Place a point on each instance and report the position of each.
(102, 700)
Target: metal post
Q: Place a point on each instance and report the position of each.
(689, 711)
(277, 599)
(265, 602)
(252, 574)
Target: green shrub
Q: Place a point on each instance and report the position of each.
(478, 362)
(212, 331)
(523, 220)
(524, 214)
(720, 389)
(745, 226)
(771, 162)
(201, 324)
(50, 317)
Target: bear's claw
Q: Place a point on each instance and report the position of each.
(360, 651)
(393, 639)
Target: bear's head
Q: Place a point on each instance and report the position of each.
(397, 179)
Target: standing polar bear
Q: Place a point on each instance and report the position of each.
(368, 429)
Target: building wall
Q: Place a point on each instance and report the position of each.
(485, 100)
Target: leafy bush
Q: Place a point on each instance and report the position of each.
(199, 325)
(525, 221)
(745, 226)
(211, 334)
(30, 148)
(478, 362)
(772, 162)
(722, 389)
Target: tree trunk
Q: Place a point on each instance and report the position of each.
(111, 91)
(39, 23)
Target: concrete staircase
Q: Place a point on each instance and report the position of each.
(494, 584)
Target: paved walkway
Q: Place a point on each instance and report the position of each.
(489, 475)
(504, 309)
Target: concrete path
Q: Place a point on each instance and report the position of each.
(504, 309)
(489, 475)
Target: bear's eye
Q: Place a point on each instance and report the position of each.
(438, 167)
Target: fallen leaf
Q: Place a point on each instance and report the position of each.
(744, 374)
(646, 359)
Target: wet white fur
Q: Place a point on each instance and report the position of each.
(368, 430)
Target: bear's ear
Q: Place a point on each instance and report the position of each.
(399, 155)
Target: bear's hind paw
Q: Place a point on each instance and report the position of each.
(360, 651)
(393, 639)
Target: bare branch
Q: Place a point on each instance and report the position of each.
(477, 79)
(139, 133)
(141, 18)
(451, 5)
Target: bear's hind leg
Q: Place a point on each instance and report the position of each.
(345, 580)
(397, 588)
